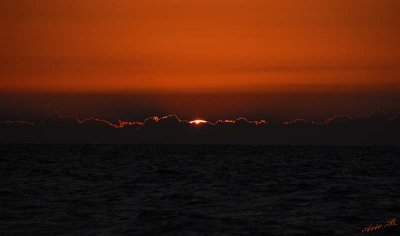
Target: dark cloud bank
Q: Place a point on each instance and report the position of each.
(376, 129)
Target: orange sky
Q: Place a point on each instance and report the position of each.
(198, 46)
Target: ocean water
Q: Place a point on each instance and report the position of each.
(198, 190)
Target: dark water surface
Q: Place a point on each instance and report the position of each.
(197, 190)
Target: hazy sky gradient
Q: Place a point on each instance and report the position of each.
(209, 59)
(179, 45)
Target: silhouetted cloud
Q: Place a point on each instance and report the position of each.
(56, 120)
(297, 122)
(16, 123)
(98, 123)
(376, 128)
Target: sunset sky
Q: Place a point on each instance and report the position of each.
(342, 55)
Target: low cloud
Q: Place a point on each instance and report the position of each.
(374, 129)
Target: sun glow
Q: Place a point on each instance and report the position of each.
(198, 122)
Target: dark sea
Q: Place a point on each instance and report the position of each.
(198, 190)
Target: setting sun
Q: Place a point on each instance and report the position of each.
(197, 122)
